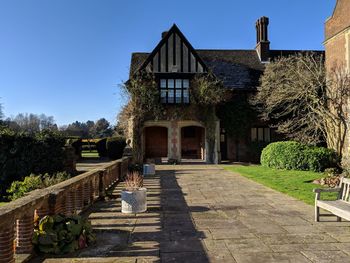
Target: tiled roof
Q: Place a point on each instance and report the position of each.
(238, 69)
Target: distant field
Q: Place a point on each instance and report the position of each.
(88, 154)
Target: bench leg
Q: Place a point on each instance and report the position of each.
(338, 219)
(317, 214)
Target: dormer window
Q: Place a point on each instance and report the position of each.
(174, 91)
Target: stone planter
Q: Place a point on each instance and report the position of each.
(149, 169)
(135, 201)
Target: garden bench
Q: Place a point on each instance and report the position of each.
(340, 207)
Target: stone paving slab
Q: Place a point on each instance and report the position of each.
(202, 213)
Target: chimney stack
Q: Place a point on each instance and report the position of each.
(262, 39)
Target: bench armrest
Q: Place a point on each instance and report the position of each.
(326, 190)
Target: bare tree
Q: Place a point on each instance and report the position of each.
(337, 122)
(31, 123)
(302, 102)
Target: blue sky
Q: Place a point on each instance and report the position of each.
(65, 58)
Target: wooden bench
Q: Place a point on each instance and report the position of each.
(340, 207)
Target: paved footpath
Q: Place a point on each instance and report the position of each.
(202, 213)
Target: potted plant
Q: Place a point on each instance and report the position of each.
(134, 195)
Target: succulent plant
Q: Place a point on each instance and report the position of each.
(133, 181)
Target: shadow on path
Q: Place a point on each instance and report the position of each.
(165, 233)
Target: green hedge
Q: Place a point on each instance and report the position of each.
(32, 182)
(22, 154)
(101, 147)
(115, 147)
(296, 156)
(77, 144)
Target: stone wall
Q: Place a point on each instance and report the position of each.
(174, 137)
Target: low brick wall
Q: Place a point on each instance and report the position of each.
(68, 197)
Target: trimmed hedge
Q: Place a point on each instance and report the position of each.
(115, 147)
(101, 147)
(77, 144)
(22, 154)
(296, 156)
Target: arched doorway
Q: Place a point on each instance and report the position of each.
(193, 142)
(156, 142)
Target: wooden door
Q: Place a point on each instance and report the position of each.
(156, 142)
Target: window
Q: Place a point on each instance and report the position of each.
(174, 91)
(260, 134)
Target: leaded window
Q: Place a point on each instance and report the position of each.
(174, 91)
(262, 134)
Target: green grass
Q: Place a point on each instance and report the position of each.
(92, 154)
(297, 184)
(2, 203)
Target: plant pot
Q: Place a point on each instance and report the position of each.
(149, 169)
(134, 201)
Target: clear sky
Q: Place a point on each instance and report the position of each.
(65, 58)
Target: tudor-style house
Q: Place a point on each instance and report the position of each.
(174, 63)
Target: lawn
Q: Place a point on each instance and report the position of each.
(88, 154)
(297, 184)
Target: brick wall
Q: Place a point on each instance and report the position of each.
(336, 52)
(339, 20)
(337, 31)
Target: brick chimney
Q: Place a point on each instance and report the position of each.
(262, 39)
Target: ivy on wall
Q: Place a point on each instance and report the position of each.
(237, 115)
(206, 91)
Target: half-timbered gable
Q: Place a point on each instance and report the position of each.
(174, 54)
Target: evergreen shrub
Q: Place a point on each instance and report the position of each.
(115, 147)
(296, 156)
(22, 154)
(101, 147)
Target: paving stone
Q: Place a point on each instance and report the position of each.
(345, 247)
(248, 245)
(137, 249)
(185, 257)
(211, 224)
(232, 233)
(182, 246)
(305, 247)
(326, 256)
(270, 258)
(296, 239)
(220, 256)
(263, 226)
(300, 229)
(92, 260)
(213, 245)
(177, 235)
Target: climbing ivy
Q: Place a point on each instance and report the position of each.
(206, 91)
(237, 115)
